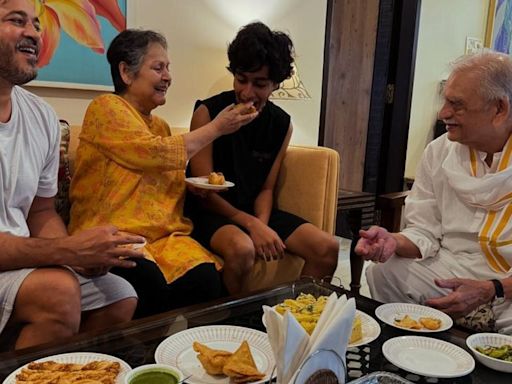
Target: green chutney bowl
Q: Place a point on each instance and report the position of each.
(154, 374)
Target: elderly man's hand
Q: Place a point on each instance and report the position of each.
(376, 244)
(466, 296)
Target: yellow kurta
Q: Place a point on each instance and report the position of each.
(130, 172)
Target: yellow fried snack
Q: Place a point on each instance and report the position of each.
(240, 366)
(95, 372)
(430, 323)
(216, 178)
(305, 308)
(246, 110)
(357, 330)
(408, 322)
(212, 360)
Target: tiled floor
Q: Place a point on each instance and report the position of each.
(343, 270)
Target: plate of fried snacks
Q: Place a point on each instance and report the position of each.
(307, 310)
(220, 354)
(76, 367)
(428, 356)
(414, 317)
(493, 350)
(214, 181)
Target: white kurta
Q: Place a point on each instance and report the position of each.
(445, 229)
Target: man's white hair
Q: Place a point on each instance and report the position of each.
(494, 71)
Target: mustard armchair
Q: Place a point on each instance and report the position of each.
(307, 186)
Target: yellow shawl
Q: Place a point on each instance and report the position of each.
(491, 191)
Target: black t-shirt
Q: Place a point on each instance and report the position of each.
(246, 156)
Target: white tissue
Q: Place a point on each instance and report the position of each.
(293, 347)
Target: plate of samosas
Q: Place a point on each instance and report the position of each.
(74, 367)
(219, 354)
(414, 317)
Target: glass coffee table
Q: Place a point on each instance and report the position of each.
(136, 341)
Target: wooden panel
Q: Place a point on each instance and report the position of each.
(352, 35)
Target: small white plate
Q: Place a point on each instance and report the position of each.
(427, 356)
(177, 351)
(371, 329)
(391, 311)
(76, 358)
(202, 182)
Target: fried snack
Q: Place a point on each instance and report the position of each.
(247, 110)
(212, 360)
(357, 330)
(216, 178)
(430, 323)
(50, 372)
(240, 366)
(408, 322)
(305, 308)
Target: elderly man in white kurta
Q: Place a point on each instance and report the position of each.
(455, 252)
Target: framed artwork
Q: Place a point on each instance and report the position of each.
(498, 34)
(75, 41)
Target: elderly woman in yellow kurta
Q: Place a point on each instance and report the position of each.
(130, 172)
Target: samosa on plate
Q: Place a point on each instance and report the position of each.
(240, 366)
(212, 360)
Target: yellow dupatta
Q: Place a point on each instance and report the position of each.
(495, 236)
(466, 173)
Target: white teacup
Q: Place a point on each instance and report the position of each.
(154, 374)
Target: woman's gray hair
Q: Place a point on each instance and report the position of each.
(494, 71)
(130, 47)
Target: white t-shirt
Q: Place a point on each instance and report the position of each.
(29, 159)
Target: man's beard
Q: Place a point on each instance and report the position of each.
(11, 71)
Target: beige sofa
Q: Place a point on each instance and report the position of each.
(307, 186)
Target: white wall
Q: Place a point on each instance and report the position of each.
(443, 28)
(198, 32)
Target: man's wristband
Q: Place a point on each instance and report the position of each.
(498, 289)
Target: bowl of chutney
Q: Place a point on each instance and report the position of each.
(154, 374)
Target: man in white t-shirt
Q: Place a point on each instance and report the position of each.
(455, 252)
(51, 285)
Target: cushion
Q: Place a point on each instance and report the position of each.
(62, 204)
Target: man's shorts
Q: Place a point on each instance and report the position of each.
(97, 292)
(207, 223)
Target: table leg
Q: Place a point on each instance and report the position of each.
(356, 262)
(356, 267)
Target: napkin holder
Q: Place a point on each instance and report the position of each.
(323, 373)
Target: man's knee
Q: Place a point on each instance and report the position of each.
(325, 250)
(49, 295)
(240, 255)
(382, 275)
(330, 250)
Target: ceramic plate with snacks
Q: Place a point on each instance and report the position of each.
(202, 182)
(75, 358)
(369, 326)
(370, 329)
(414, 317)
(177, 350)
